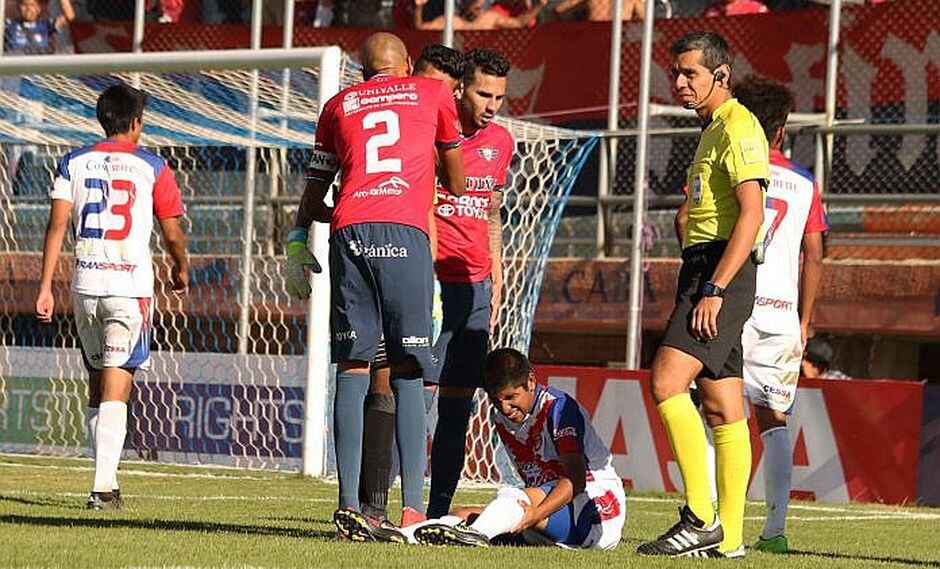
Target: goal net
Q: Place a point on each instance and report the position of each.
(229, 380)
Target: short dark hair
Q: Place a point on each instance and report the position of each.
(769, 100)
(505, 367)
(118, 106)
(442, 58)
(488, 61)
(715, 51)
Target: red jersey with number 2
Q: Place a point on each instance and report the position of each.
(463, 223)
(381, 135)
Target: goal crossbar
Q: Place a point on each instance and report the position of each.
(170, 61)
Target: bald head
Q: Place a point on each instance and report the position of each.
(385, 53)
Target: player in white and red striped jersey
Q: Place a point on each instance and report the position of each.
(112, 190)
(572, 497)
(774, 336)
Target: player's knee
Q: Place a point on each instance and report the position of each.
(514, 495)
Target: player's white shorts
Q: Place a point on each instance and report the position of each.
(771, 367)
(594, 519)
(114, 331)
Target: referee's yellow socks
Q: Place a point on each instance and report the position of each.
(733, 461)
(687, 437)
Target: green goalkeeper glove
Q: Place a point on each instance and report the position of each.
(299, 259)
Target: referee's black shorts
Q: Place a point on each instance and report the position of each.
(723, 356)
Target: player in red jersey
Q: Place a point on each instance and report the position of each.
(370, 524)
(381, 134)
(469, 265)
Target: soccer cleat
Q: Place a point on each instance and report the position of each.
(773, 545)
(690, 537)
(356, 526)
(443, 534)
(116, 496)
(104, 501)
(733, 554)
(411, 516)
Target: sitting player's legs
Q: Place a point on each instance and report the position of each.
(461, 349)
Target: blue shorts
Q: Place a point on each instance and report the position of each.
(382, 283)
(465, 334)
(567, 526)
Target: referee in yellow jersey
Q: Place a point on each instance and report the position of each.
(719, 221)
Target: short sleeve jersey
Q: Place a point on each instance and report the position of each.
(792, 209)
(116, 189)
(381, 135)
(463, 223)
(29, 38)
(732, 150)
(556, 425)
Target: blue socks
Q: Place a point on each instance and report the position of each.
(448, 452)
(351, 389)
(411, 432)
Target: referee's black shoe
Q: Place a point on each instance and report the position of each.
(356, 526)
(690, 537)
(443, 534)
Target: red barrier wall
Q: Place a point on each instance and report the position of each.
(853, 440)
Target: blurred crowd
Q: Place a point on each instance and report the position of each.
(38, 26)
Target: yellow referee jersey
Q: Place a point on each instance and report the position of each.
(732, 149)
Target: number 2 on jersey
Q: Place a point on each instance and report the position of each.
(374, 164)
(122, 210)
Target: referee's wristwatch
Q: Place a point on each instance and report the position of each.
(711, 289)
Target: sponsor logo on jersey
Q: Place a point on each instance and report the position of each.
(415, 341)
(775, 303)
(382, 95)
(480, 184)
(565, 432)
(115, 349)
(488, 154)
(476, 207)
(394, 186)
(345, 335)
(105, 266)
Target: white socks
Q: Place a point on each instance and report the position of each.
(503, 514)
(110, 428)
(778, 472)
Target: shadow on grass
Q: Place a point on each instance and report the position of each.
(301, 519)
(848, 556)
(165, 525)
(46, 502)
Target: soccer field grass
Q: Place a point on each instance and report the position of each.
(177, 516)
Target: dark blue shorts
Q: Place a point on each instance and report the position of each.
(465, 334)
(382, 283)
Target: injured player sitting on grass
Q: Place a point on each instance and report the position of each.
(572, 497)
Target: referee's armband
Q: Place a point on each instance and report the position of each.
(322, 166)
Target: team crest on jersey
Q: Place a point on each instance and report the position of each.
(488, 154)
